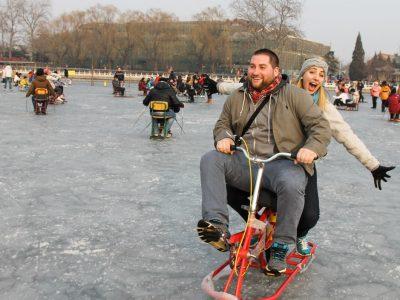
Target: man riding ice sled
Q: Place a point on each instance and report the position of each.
(285, 120)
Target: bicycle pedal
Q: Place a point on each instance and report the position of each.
(273, 273)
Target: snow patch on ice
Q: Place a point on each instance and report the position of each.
(85, 252)
(80, 247)
(43, 245)
(395, 272)
(155, 179)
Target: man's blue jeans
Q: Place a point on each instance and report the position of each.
(170, 117)
(9, 81)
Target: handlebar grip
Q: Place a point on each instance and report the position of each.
(293, 155)
(233, 147)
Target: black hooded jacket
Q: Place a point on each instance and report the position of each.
(163, 92)
(120, 75)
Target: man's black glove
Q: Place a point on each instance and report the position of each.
(210, 85)
(379, 174)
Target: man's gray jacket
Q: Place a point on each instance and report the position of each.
(296, 121)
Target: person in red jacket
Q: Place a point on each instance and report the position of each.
(394, 106)
(142, 86)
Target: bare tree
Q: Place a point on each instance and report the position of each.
(286, 12)
(256, 13)
(33, 13)
(269, 20)
(54, 40)
(101, 20)
(210, 38)
(12, 16)
(103, 36)
(2, 33)
(78, 37)
(159, 36)
(130, 35)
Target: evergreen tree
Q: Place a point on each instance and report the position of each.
(357, 69)
(332, 62)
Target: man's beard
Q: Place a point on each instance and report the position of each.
(262, 85)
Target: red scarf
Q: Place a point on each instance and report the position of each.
(258, 95)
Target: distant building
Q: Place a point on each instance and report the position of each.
(383, 66)
(294, 52)
(396, 62)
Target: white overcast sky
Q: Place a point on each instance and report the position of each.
(335, 23)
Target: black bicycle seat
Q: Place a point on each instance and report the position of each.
(238, 198)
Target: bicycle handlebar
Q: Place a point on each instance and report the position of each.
(292, 155)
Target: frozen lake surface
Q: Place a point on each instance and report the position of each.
(91, 208)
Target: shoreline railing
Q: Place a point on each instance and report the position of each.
(134, 76)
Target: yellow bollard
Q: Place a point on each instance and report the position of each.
(105, 83)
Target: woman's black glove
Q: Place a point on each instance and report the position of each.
(379, 174)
